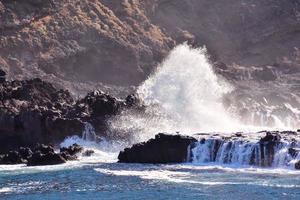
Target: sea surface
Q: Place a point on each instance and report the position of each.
(95, 178)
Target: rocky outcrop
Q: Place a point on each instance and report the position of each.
(162, 149)
(262, 149)
(34, 111)
(42, 154)
(39, 159)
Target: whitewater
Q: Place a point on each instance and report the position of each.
(186, 96)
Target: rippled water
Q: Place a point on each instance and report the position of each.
(89, 180)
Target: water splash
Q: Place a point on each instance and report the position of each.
(283, 154)
(184, 94)
(189, 93)
(89, 133)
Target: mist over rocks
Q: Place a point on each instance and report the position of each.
(34, 111)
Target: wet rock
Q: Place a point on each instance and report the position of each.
(2, 72)
(44, 149)
(34, 111)
(293, 152)
(271, 137)
(88, 153)
(67, 156)
(50, 158)
(13, 157)
(72, 150)
(238, 134)
(2, 76)
(297, 165)
(25, 153)
(101, 104)
(163, 148)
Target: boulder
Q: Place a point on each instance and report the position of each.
(34, 111)
(271, 137)
(13, 157)
(88, 153)
(67, 156)
(297, 165)
(163, 148)
(44, 149)
(72, 150)
(25, 153)
(50, 158)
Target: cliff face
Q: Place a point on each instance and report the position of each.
(255, 32)
(78, 44)
(67, 41)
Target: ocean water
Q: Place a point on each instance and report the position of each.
(111, 180)
(185, 95)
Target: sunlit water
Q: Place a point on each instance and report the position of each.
(84, 180)
(183, 95)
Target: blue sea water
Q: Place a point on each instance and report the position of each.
(98, 180)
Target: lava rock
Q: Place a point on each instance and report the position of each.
(2, 72)
(13, 157)
(293, 152)
(44, 149)
(88, 153)
(297, 165)
(50, 158)
(34, 111)
(67, 156)
(271, 137)
(25, 153)
(163, 148)
(72, 150)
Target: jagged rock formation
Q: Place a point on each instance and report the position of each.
(163, 148)
(41, 155)
(262, 149)
(34, 111)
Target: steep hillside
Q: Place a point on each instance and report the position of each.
(84, 44)
(65, 41)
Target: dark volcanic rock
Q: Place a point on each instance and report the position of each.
(297, 165)
(44, 149)
(49, 158)
(88, 153)
(13, 157)
(270, 137)
(72, 150)
(163, 149)
(42, 155)
(25, 153)
(293, 152)
(34, 111)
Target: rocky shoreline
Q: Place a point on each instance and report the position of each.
(264, 149)
(43, 155)
(34, 111)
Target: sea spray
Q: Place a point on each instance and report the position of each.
(184, 94)
(105, 151)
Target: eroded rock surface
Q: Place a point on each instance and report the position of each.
(34, 111)
(163, 148)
